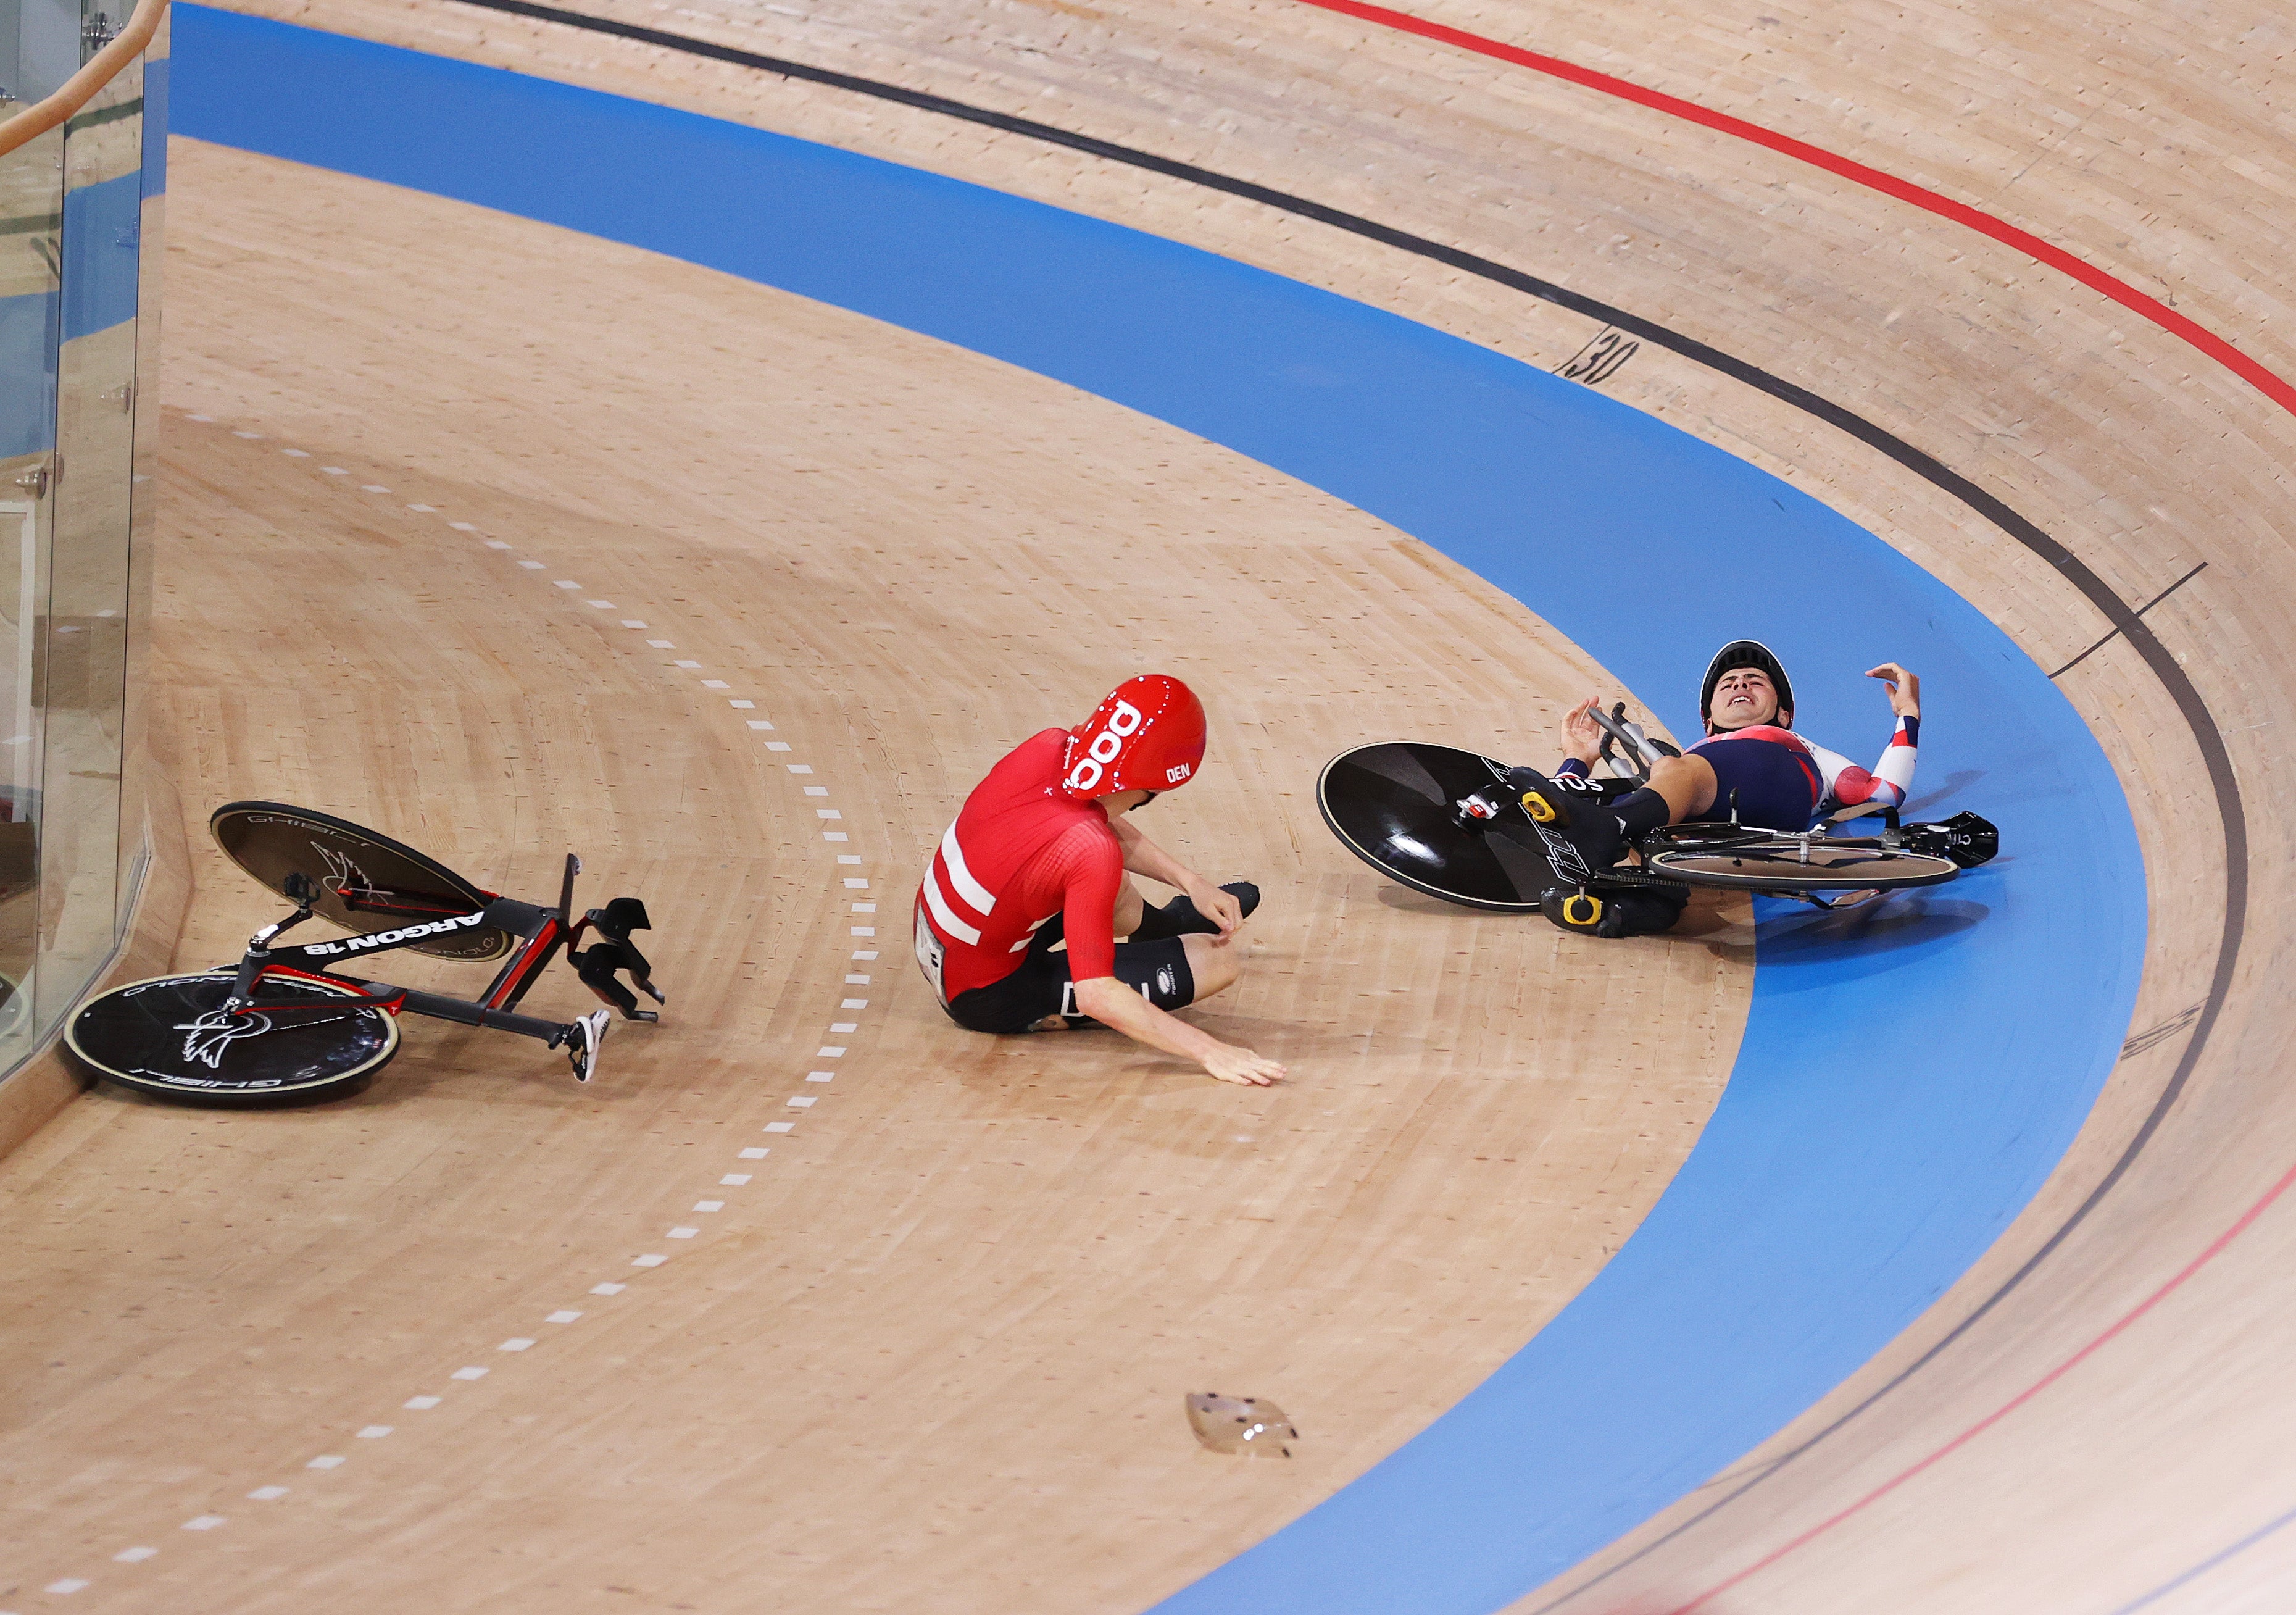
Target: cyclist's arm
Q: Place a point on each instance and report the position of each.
(1888, 782)
(1094, 876)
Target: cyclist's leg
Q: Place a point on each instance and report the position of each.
(1686, 784)
(1129, 907)
(1214, 963)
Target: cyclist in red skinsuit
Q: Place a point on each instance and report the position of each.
(1039, 855)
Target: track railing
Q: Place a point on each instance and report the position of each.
(76, 91)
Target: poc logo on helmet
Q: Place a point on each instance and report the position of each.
(1122, 723)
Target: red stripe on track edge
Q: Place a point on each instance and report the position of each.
(2152, 309)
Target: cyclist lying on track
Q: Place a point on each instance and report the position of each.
(1751, 765)
(1039, 855)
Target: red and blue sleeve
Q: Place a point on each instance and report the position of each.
(1891, 781)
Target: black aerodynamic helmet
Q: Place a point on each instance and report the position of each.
(1746, 653)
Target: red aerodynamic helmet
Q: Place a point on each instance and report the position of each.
(1147, 735)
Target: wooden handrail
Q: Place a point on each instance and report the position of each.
(80, 88)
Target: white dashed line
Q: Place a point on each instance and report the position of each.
(135, 1555)
(205, 1523)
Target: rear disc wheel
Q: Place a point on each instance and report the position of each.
(170, 1037)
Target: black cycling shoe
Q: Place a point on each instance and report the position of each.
(1582, 836)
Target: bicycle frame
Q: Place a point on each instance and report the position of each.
(543, 930)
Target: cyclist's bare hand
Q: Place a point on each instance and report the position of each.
(1905, 689)
(1242, 1067)
(1220, 908)
(1582, 736)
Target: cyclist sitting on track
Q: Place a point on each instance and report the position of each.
(1751, 764)
(1039, 855)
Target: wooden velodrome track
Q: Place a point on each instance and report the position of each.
(930, 1355)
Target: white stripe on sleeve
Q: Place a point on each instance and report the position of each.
(971, 890)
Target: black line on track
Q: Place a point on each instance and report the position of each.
(2113, 634)
(2126, 622)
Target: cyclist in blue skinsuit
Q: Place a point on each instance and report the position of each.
(1750, 762)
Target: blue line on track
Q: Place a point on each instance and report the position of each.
(2231, 1551)
(1909, 1075)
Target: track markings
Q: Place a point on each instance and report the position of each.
(471, 1373)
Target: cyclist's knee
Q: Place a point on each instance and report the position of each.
(1213, 963)
(1686, 783)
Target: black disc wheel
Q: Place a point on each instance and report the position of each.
(1394, 806)
(1786, 864)
(171, 1036)
(365, 881)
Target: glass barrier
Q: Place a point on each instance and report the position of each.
(79, 237)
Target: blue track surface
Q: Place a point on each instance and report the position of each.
(1907, 1078)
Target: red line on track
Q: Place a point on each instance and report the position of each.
(2153, 308)
(2216, 1248)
